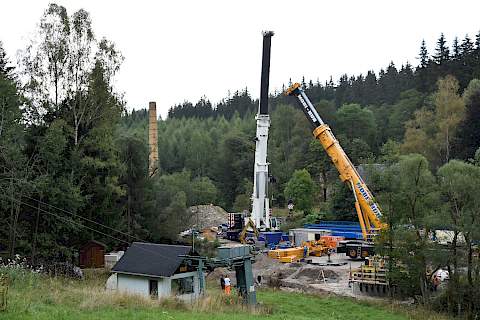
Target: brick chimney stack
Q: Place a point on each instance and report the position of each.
(152, 139)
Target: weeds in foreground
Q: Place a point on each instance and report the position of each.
(218, 302)
(36, 296)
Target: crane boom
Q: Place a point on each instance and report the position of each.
(260, 201)
(368, 210)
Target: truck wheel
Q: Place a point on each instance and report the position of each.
(352, 253)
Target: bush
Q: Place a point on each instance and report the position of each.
(18, 272)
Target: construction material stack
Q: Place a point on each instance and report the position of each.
(346, 229)
(317, 248)
(289, 255)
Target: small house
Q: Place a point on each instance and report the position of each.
(91, 255)
(155, 270)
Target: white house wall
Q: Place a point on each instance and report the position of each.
(140, 285)
(164, 287)
(133, 284)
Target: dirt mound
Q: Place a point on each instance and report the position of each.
(274, 279)
(207, 216)
(313, 274)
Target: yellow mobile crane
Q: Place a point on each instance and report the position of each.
(368, 210)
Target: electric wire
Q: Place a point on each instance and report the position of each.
(76, 215)
(85, 218)
(82, 225)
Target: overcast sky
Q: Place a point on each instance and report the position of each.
(181, 50)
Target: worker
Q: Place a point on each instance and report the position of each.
(222, 283)
(305, 251)
(290, 206)
(227, 285)
(436, 282)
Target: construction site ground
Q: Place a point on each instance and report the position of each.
(317, 277)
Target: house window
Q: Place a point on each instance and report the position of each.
(182, 286)
(153, 288)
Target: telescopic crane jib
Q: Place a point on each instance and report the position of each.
(368, 210)
(260, 201)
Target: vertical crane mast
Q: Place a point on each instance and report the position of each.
(260, 201)
(368, 210)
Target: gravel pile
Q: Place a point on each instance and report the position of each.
(207, 216)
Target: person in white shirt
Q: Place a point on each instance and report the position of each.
(227, 285)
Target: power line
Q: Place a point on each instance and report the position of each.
(87, 219)
(82, 225)
(81, 217)
(76, 215)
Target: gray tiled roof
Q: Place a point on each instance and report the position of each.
(150, 259)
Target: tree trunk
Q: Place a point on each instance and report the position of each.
(129, 217)
(324, 186)
(76, 134)
(35, 235)
(447, 155)
(471, 288)
(14, 229)
(423, 289)
(11, 241)
(453, 283)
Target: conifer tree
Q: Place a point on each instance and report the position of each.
(468, 141)
(370, 88)
(455, 49)
(442, 52)
(422, 71)
(424, 58)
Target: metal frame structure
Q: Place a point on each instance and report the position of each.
(243, 271)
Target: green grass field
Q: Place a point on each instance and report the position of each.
(42, 298)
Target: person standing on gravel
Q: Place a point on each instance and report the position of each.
(227, 285)
(222, 283)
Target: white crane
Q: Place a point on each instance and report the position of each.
(260, 201)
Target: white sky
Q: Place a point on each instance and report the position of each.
(180, 50)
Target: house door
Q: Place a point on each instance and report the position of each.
(153, 288)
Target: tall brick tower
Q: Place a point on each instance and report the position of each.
(152, 139)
